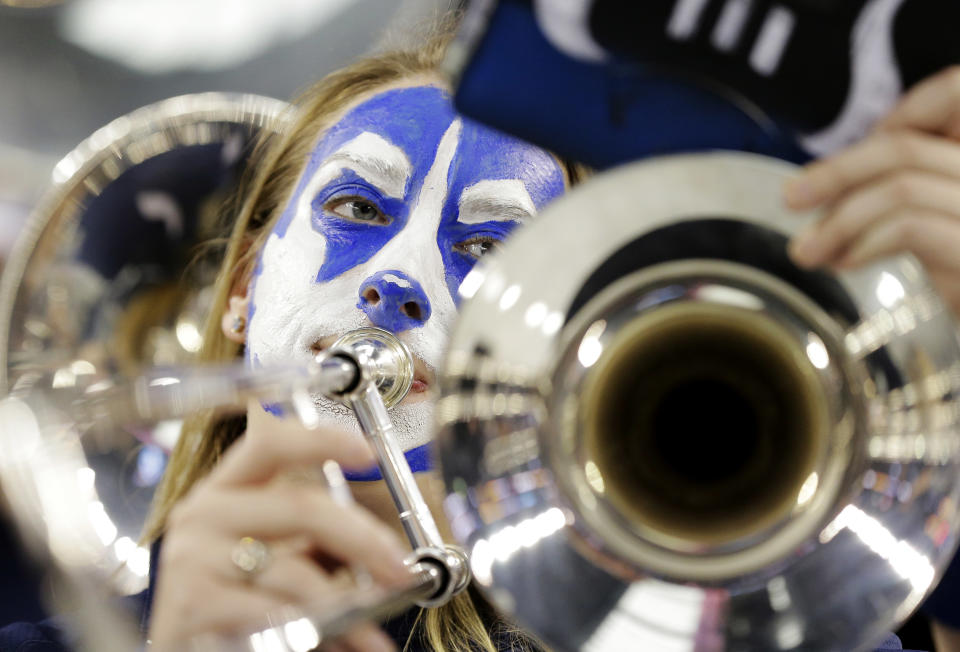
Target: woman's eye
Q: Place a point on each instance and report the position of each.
(358, 210)
(477, 247)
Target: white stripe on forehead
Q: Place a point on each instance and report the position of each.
(415, 252)
(380, 163)
(496, 200)
(433, 194)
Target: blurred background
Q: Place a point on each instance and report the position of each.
(69, 67)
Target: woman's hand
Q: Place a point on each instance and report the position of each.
(199, 588)
(896, 191)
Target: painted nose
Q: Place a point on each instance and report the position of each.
(394, 301)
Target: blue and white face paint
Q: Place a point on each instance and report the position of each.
(397, 202)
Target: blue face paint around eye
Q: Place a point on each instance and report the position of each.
(486, 154)
(351, 243)
(414, 119)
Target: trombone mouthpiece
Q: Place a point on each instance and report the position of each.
(382, 358)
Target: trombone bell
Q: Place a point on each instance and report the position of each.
(679, 440)
(704, 422)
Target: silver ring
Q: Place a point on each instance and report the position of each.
(250, 556)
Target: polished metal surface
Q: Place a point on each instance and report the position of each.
(385, 359)
(301, 629)
(46, 472)
(53, 298)
(171, 393)
(737, 442)
(592, 472)
(386, 366)
(31, 4)
(101, 283)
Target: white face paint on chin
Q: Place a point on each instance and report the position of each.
(375, 234)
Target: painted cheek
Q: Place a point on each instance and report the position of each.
(271, 408)
(290, 210)
(251, 361)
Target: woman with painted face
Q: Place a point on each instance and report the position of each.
(369, 210)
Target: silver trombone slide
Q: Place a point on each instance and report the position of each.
(40, 422)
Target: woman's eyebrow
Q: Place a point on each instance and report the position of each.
(496, 199)
(379, 162)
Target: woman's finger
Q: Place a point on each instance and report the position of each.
(933, 238)
(301, 582)
(902, 193)
(932, 105)
(945, 281)
(335, 646)
(368, 637)
(826, 180)
(295, 579)
(184, 610)
(288, 445)
(348, 533)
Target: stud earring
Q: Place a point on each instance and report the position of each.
(238, 325)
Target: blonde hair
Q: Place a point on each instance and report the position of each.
(277, 165)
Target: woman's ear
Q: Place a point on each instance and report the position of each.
(234, 320)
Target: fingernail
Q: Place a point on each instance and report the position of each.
(400, 570)
(848, 261)
(382, 644)
(362, 451)
(398, 555)
(804, 248)
(368, 450)
(800, 193)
